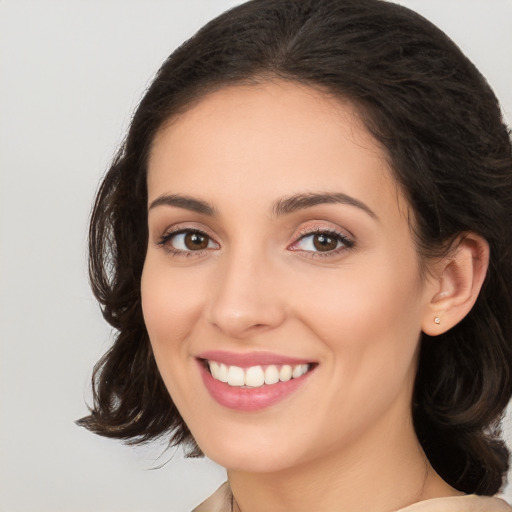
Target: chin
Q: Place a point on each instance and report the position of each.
(249, 460)
(246, 449)
(252, 449)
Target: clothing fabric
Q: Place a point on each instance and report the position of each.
(221, 500)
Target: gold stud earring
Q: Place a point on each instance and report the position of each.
(437, 320)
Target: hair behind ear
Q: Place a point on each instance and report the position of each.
(462, 387)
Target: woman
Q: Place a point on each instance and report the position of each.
(304, 245)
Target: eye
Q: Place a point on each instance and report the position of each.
(322, 242)
(187, 241)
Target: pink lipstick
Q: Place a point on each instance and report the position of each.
(252, 381)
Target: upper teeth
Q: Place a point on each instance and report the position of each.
(255, 376)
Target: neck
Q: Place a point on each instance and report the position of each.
(385, 472)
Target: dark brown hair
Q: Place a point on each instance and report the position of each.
(449, 149)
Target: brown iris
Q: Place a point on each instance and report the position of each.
(324, 243)
(195, 241)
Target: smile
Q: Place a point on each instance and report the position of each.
(253, 381)
(256, 376)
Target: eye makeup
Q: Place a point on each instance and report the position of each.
(318, 241)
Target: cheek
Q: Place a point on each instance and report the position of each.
(361, 299)
(369, 324)
(368, 315)
(171, 305)
(169, 299)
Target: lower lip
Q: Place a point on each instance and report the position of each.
(249, 399)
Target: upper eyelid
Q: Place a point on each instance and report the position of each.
(183, 227)
(322, 228)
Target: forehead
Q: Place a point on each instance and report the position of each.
(275, 138)
(287, 106)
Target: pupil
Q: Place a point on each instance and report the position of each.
(196, 241)
(324, 243)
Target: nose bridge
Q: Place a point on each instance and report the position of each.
(245, 298)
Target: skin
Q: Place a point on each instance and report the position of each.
(344, 440)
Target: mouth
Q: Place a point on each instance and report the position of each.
(252, 382)
(255, 376)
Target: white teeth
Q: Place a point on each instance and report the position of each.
(271, 375)
(256, 376)
(223, 373)
(219, 371)
(285, 373)
(299, 370)
(214, 369)
(236, 376)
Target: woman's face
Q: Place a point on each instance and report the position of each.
(279, 244)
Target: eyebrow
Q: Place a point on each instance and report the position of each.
(303, 201)
(282, 207)
(185, 202)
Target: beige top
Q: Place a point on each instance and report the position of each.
(220, 501)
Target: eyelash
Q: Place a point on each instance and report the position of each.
(165, 242)
(330, 233)
(346, 243)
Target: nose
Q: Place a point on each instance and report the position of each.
(245, 299)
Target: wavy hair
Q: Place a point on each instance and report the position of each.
(449, 149)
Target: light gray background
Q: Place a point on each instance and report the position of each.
(71, 73)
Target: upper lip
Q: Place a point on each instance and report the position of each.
(248, 359)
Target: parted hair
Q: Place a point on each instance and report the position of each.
(449, 149)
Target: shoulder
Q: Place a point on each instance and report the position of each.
(469, 503)
(219, 501)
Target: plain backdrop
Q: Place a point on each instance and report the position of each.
(71, 74)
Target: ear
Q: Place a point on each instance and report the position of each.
(456, 283)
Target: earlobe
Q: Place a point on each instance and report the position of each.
(456, 283)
